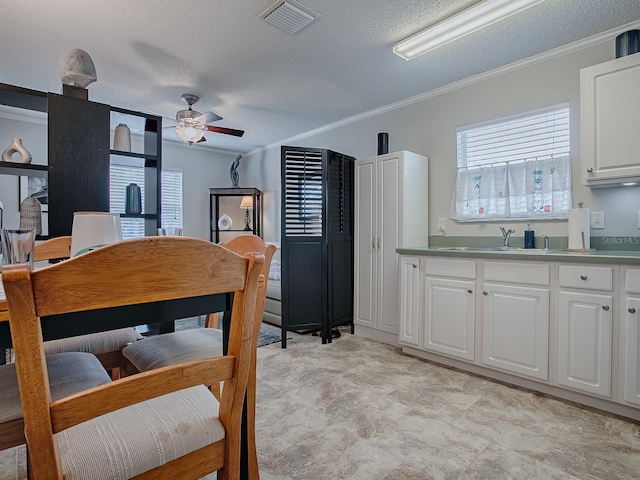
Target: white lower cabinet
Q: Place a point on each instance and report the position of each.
(585, 328)
(630, 337)
(449, 313)
(584, 342)
(516, 329)
(409, 300)
(631, 351)
(449, 317)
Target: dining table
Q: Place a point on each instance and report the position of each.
(162, 312)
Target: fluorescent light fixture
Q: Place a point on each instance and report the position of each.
(469, 20)
(190, 134)
(629, 184)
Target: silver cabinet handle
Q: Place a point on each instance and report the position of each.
(631, 310)
(373, 243)
(469, 291)
(589, 169)
(378, 242)
(605, 307)
(583, 277)
(485, 293)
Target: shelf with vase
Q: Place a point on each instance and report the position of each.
(142, 150)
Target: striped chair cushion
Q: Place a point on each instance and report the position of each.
(174, 348)
(136, 439)
(96, 343)
(68, 373)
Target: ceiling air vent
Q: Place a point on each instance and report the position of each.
(289, 16)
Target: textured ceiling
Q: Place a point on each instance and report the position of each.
(271, 84)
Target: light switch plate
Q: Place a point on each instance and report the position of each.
(442, 224)
(597, 220)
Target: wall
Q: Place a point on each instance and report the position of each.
(428, 127)
(202, 169)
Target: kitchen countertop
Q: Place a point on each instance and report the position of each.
(631, 257)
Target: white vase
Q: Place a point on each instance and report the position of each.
(122, 138)
(16, 147)
(224, 222)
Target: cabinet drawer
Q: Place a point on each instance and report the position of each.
(511, 272)
(583, 276)
(632, 280)
(447, 267)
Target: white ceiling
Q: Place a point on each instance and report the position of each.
(269, 83)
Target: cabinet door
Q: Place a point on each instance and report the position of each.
(516, 329)
(584, 342)
(387, 243)
(366, 248)
(631, 351)
(409, 300)
(449, 317)
(609, 110)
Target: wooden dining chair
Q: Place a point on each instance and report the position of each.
(68, 372)
(172, 348)
(159, 424)
(107, 346)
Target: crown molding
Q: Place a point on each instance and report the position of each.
(481, 77)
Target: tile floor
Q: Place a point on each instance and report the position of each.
(358, 409)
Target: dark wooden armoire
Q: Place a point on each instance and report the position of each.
(317, 240)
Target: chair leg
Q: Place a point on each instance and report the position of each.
(212, 320)
(254, 472)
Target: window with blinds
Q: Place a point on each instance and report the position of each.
(514, 168)
(171, 201)
(303, 193)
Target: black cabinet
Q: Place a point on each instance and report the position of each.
(317, 240)
(228, 200)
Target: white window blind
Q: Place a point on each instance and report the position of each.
(518, 167)
(123, 175)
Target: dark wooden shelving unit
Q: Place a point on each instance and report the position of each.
(214, 211)
(79, 155)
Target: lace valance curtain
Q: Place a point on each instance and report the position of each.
(536, 189)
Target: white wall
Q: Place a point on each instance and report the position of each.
(429, 127)
(202, 169)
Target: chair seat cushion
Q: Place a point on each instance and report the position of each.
(173, 348)
(96, 343)
(136, 439)
(68, 373)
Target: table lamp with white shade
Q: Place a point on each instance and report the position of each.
(247, 202)
(91, 230)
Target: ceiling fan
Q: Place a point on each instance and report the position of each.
(191, 124)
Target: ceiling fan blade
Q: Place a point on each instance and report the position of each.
(226, 131)
(208, 117)
(202, 140)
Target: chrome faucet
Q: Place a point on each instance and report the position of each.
(545, 242)
(506, 235)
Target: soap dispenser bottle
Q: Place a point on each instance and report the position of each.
(528, 237)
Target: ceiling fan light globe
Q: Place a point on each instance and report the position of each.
(189, 134)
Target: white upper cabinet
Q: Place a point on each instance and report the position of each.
(609, 103)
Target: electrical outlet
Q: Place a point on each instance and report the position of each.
(442, 224)
(597, 220)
